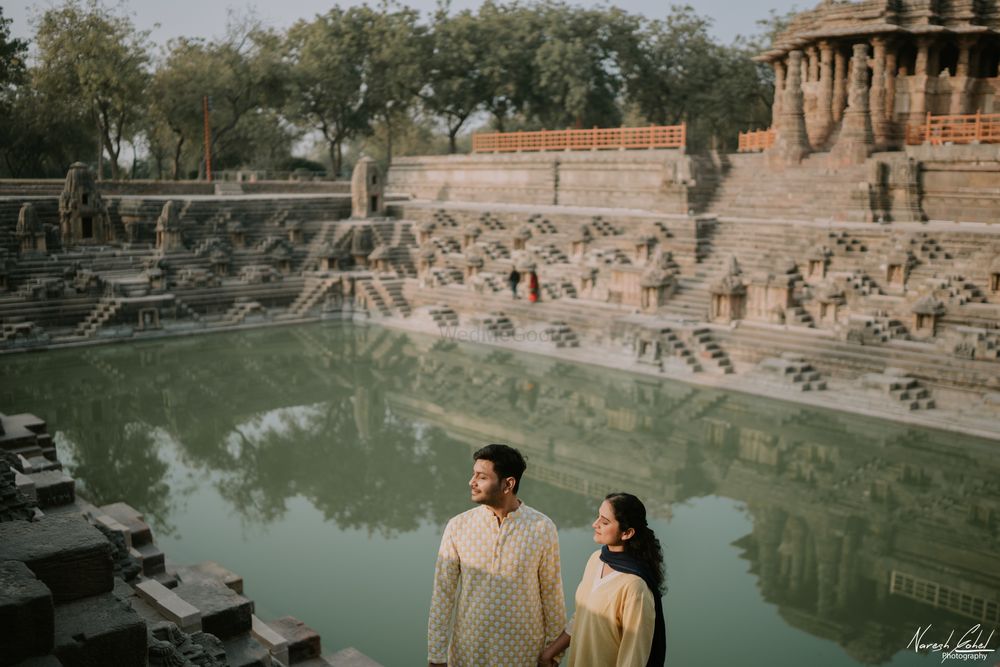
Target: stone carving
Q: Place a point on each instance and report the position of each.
(83, 215)
(30, 231)
(168, 229)
(14, 505)
(170, 647)
(367, 190)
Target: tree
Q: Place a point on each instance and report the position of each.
(89, 54)
(12, 55)
(242, 74)
(577, 71)
(456, 85)
(326, 77)
(394, 66)
(515, 33)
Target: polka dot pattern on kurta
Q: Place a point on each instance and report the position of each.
(505, 580)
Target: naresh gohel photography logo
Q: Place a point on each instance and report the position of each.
(975, 644)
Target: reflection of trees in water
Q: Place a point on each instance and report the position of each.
(376, 429)
(122, 463)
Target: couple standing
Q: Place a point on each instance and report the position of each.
(498, 575)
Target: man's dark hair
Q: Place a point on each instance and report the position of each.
(507, 461)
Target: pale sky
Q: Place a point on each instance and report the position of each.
(204, 18)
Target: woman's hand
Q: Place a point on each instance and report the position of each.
(547, 658)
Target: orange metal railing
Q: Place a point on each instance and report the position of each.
(758, 140)
(978, 127)
(659, 136)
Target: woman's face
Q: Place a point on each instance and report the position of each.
(606, 528)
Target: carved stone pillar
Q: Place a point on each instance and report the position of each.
(891, 65)
(855, 142)
(779, 90)
(880, 128)
(824, 99)
(791, 143)
(813, 54)
(918, 83)
(839, 85)
(961, 98)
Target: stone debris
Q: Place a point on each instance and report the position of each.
(85, 585)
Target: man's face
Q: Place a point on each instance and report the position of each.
(485, 485)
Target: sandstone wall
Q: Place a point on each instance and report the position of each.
(651, 179)
(960, 183)
(53, 186)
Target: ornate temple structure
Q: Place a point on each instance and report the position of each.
(909, 58)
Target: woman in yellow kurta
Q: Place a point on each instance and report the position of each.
(619, 613)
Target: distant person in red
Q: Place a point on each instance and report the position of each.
(533, 287)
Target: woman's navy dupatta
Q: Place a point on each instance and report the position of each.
(628, 564)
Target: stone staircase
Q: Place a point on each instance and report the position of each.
(710, 352)
(315, 289)
(105, 309)
(242, 309)
(370, 298)
(792, 370)
(560, 334)
(391, 290)
(444, 316)
(899, 386)
(498, 325)
(808, 191)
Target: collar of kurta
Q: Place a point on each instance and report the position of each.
(511, 516)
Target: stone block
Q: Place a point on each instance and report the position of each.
(26, 614)
(224, 613)
(98, 631)
(26, 486)
(131, 519)
(303, 641)
(275, 643)
(53, 488)
(115, 527)
(169, 605)
(211, 570)
(150, 557)
(245, 651)
(69, 555)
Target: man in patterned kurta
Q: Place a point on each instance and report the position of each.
(500, 563)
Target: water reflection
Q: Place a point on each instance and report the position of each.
(863, 530)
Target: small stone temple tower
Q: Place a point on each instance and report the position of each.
(30, 231)
(83, 215)
(367, 190)
(168, 229)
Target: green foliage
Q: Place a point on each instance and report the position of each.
(457, 84)
(97, 58)
(12, 55)
(243, 76)
(380, 79)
